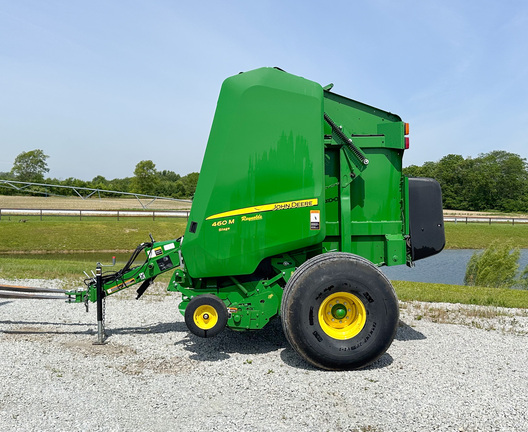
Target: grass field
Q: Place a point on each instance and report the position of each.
(64, 233)
(479, 236)
(428, 292)
(62, 247)
(67, 267)
(69, 234)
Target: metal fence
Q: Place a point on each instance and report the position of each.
(41, 213)
(485, 219)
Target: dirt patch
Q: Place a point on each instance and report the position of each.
(81, 343)
(30, 333)
(171, 366)
(88, 348)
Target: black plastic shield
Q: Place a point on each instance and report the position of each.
(426, 220)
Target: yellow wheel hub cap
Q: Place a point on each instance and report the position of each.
(205, 317)
(342, 315)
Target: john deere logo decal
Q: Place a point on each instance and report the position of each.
(288, 205)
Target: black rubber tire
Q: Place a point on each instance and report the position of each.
(206, 300)
(312, 283)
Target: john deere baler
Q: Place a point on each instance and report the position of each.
(300, 199)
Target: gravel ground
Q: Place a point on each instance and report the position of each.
(450, 368)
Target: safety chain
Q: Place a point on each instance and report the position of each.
(104, 315)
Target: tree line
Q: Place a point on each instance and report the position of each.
(497, 180)
(31, 166)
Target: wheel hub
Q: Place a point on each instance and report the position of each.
(205, 317)
(339, 311)
(342, 315)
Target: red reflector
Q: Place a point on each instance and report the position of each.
(406, 143)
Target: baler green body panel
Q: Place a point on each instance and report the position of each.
(377, 211)
(261, 190)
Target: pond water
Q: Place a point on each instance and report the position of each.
(448, 267)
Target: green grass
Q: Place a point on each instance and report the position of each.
(35, 268)
(64, 247)
(480, 235)
(428, 292)
(60, 234)
(68, 267)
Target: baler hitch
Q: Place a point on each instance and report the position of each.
(24, 292)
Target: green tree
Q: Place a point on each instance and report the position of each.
(121, 185)
(4, 189)
(30, 166)
(168, 175)
(495, 267)
(189, 183)
(169, 185)
(512, 181)
(170, 189)
(497, 180)
(523, 279)
(145, 178)
(99, 182)
(428, 169)
(6, 176)
(492, 181)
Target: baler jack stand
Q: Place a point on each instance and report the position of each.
(100, 323)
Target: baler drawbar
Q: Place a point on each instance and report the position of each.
(24, 292)
(301, 198)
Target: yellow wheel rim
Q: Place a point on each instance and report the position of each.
(342, 315)
(205, 317)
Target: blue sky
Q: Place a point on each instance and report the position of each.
(100, 85)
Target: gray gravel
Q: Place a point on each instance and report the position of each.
(450, 368)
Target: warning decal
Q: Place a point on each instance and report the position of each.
(155, 252)
(315, 219)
